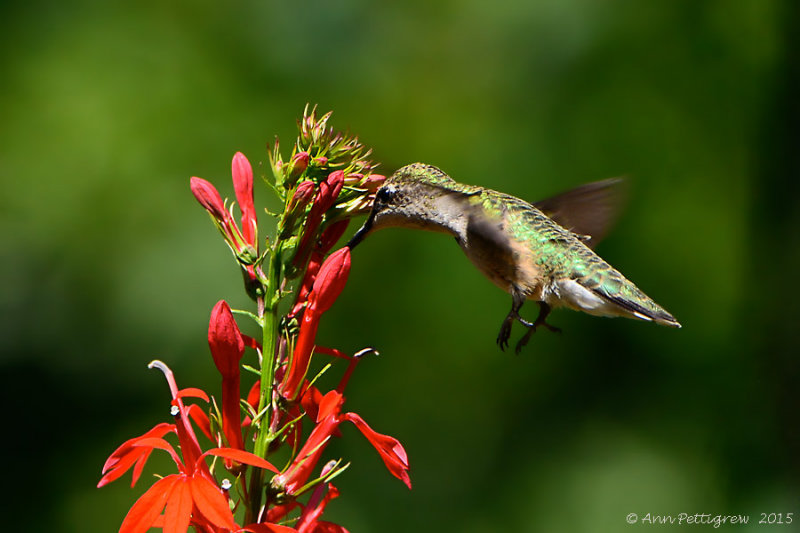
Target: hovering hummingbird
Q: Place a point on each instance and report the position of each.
(539, 251)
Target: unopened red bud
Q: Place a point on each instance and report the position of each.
(331, 280)
(329, 191)
(335, 181)
(242, 173)
(225, 340)
(320, 161)
(373, 182)
(299, 164)
(209, 198)
(302, 196)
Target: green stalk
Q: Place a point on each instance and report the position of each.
(268, 311)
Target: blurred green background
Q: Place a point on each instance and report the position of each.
(107, 262)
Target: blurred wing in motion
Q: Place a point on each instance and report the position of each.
(588, 210)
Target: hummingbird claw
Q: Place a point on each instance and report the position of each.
(525, 338)
(505, 332)
(541, 320)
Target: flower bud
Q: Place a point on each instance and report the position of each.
(242, 173)
(295, 208)
(302, 196)
(299, 164)
(373, 182)
(331, 280)
(225, 340)
(329, 191)
(209, 198)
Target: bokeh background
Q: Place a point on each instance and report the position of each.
(107, 262)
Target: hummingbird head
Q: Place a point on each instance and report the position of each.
(413, 197)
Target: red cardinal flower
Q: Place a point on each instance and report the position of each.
(327, 286)
(190, 497)
(329, 416)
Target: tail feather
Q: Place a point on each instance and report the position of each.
(653, 312)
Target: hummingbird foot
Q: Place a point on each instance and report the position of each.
(517, 299)
(525, 338)
(505, 332)
(544, 310)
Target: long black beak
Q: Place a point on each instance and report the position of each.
(361, 233)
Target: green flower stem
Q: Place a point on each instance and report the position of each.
(269, 321)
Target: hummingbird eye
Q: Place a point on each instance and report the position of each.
(385, 194)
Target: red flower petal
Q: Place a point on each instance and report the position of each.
(137, 469)
(391, 451)
(126, 455)
(254, 393)
(148, 507)
(120, 466)
(159, 430)
(160, 444)
(277, 512)
(200, 419)
(331, 279)
(330, 405)
(211, 503)
(310, 400)
(192, 392)
(241, 456)
(179, 508)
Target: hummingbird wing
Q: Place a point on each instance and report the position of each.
(589, 209)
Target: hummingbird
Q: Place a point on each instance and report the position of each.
(540, 251)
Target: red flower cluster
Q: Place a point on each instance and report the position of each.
(326, 181)
(190, 497)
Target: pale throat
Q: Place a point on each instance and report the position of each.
(445, 214)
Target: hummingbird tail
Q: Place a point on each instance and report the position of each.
(651, 313)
